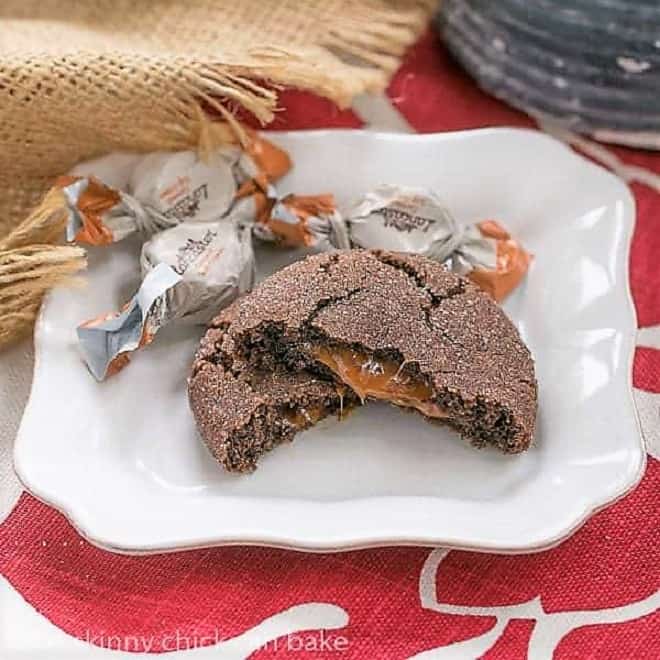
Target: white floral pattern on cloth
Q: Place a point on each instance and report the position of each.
(22, 625)
(549, 629)
(648, 403)
(649, 337)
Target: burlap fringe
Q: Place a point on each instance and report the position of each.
(163, 107)
(28, 270)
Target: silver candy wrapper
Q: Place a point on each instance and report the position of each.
(190, 272)
(215, 260)
(416, 220)
(183, 187)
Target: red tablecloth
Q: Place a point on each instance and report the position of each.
(594, 596)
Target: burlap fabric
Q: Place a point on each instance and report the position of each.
(82, 78)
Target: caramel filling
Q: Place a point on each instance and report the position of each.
(378, 379)
(303, 418)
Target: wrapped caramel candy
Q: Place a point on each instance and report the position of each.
(190, 271)
(416, 220)
(164, 189)
(405, 220)
(100, 215)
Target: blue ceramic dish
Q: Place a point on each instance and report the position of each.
(591, 65)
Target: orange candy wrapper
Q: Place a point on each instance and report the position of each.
(302, 221)
(512, 262)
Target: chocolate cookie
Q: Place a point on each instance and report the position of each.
(242, 412)
(391, 326)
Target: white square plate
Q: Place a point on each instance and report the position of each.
(122, 459)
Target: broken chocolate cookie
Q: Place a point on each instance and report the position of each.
(242, 412)
(391, 326)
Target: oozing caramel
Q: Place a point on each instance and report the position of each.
(303, 418)
(378, 379)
